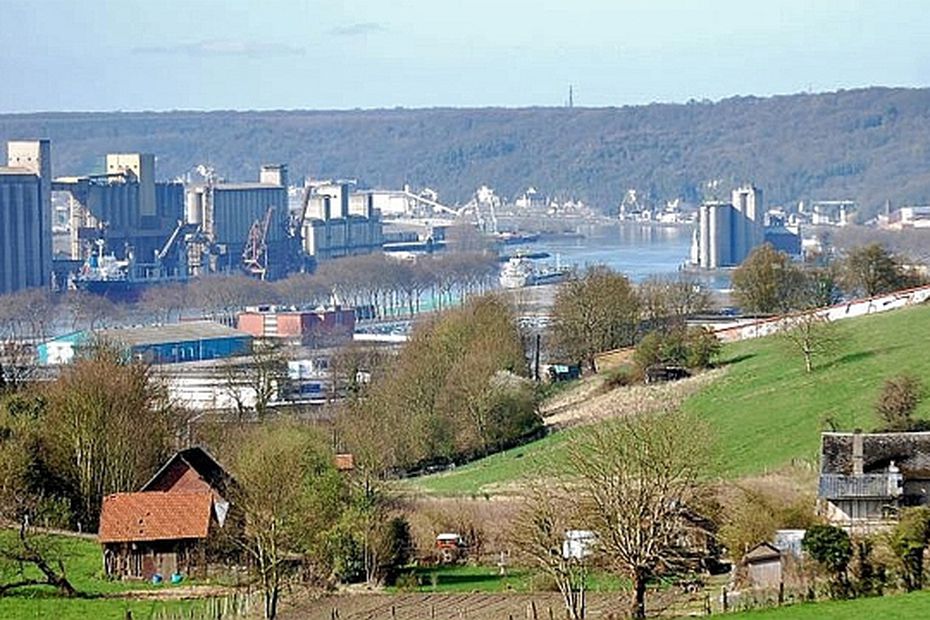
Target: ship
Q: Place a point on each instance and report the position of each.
(518, 272)
(117, 279)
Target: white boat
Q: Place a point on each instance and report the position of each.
(518, 272)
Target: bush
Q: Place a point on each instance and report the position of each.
(694, 347)
(396, 549)
(830, 547)
(408, 582)
(898, 401)
(909, 541)
(621, 376)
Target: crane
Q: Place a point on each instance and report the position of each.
(255, 252)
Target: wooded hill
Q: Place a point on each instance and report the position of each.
(869, 145)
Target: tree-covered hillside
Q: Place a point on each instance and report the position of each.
(870, 145)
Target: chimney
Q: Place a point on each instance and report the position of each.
(857, 457)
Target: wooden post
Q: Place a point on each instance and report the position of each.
(533, 604)
(723, 599)
(781, 593)
(393, 613)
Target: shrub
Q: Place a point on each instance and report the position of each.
(830, 547)
(909, 541)
(898, 401)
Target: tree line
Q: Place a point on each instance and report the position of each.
(854, 143)
(389, 286)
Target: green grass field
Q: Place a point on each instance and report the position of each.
(896, 607)
(765, 412)
(83, 566)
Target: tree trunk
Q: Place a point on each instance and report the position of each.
(638, 606)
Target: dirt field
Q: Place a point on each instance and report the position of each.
(449, 607)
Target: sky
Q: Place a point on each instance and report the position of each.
(91, 55)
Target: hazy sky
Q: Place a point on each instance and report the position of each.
(261, 54)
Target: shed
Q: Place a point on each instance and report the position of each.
(763, 564)
(144, 534)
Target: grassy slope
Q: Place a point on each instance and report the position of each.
(765, 411)
(83, 565)
(899, 607)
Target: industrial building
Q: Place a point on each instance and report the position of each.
(164, 344)
(728, 231)
(26, 216)
(125, 209)
(338, 222)
(244, 224)
(306, 326)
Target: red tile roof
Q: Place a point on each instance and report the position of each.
(131, 517)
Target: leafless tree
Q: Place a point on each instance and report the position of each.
(637, 478)
(812, 335)
(540, 532)
(255, 381)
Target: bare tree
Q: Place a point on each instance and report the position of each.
(540, 533)
(812, 335)
(257, 380)
(637, 479)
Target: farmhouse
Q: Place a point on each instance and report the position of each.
(166, 527)
(866, 477)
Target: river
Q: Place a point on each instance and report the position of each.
(637, 250)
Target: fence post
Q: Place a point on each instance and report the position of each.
(723, 599)
(781, 593)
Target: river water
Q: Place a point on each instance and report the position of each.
(637, 250)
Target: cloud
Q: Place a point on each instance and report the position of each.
(357, 29)
(222, 47)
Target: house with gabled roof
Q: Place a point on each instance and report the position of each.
(165, 527)
(865, 478)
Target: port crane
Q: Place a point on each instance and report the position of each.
(255, 252)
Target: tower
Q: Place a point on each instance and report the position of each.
(35, 157)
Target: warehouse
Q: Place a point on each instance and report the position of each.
(163, 344)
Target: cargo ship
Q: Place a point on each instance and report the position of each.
(121, 280)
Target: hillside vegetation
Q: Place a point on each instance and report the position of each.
(865, 144)
(764, 410)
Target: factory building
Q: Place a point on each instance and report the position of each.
(227, 213)
(124, 207)
(340, 223)
(165, 344)
(305, 326)
(26, 216)
(728, 231)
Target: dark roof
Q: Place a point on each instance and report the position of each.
(134, 517)
(909, 451)
(200, 461)
(762, 552)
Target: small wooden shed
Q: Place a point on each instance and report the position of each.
(763, 566)
(144, 534)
